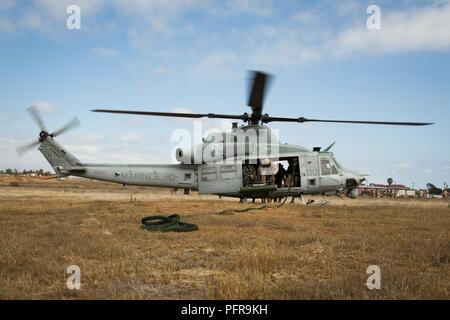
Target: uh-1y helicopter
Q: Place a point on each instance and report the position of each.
(242, 163)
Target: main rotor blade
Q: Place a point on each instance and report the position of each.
(72, 124)
(302, 120)
(243, 117)
(34, 113)
(25, 148)
(257, 91)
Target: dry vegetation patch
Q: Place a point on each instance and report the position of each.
(294, 252)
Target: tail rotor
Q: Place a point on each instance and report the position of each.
(44, 134)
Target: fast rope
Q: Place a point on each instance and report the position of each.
(173, 223)
(166, 224)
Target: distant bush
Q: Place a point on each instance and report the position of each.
(14, 184)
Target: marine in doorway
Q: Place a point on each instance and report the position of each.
(280, 179)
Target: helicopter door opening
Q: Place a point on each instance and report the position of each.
(291, 173)
(219, 178)
(284, 173)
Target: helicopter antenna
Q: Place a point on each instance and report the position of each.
(329, 147)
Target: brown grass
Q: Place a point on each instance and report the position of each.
(295, 252)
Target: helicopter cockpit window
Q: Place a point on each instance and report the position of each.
(338, 165)
(328, 167)
(335, 168)
(325, 167)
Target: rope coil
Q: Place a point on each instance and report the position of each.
(166, 224)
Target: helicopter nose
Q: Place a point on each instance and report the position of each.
(359, 178)
(353, 179)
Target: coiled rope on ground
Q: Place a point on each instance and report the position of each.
(166, 224)
(172, 223)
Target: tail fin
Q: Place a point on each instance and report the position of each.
(62, 161)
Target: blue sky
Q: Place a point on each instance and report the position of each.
(193, 55)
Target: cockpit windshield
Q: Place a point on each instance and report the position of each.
(328, 166)
(338, 165)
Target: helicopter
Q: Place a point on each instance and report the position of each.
(435, 191)
(247, 162)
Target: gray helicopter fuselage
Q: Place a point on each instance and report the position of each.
(311, 172)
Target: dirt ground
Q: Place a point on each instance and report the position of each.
(292, 252)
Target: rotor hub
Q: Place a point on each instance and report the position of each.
(43, 135)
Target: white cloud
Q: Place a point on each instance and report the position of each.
(4, 118)
(6, 4)
(161, 70)
(301, 38)
(405, 165)
(130, 137)
(45, 107)
(205, 124)
(90, 137)
(56, 9)
(218, 64)
(417, 29)
(428, 170)
(160, 15)
(307, 17)
(7, 27)
(94, 148)
(104, 52)
(348, 7)
(403, 31)
(286, 51)
(262, 8)
(47, 17)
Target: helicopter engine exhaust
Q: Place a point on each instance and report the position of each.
(179, 155)
(184, 156)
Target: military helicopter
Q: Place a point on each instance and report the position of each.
(435, 191)
(243, 163)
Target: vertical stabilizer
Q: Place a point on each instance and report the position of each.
(58, 157)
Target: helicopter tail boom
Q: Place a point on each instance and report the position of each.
(62, 161)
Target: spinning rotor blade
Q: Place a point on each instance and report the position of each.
(267, 118)
(34, 113)
(43, 135)
(257, 91)
(243, 117)
(72, 124)
(25, 148)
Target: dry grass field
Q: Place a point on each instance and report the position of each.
(294, 252)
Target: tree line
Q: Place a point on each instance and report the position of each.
(15, 172)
